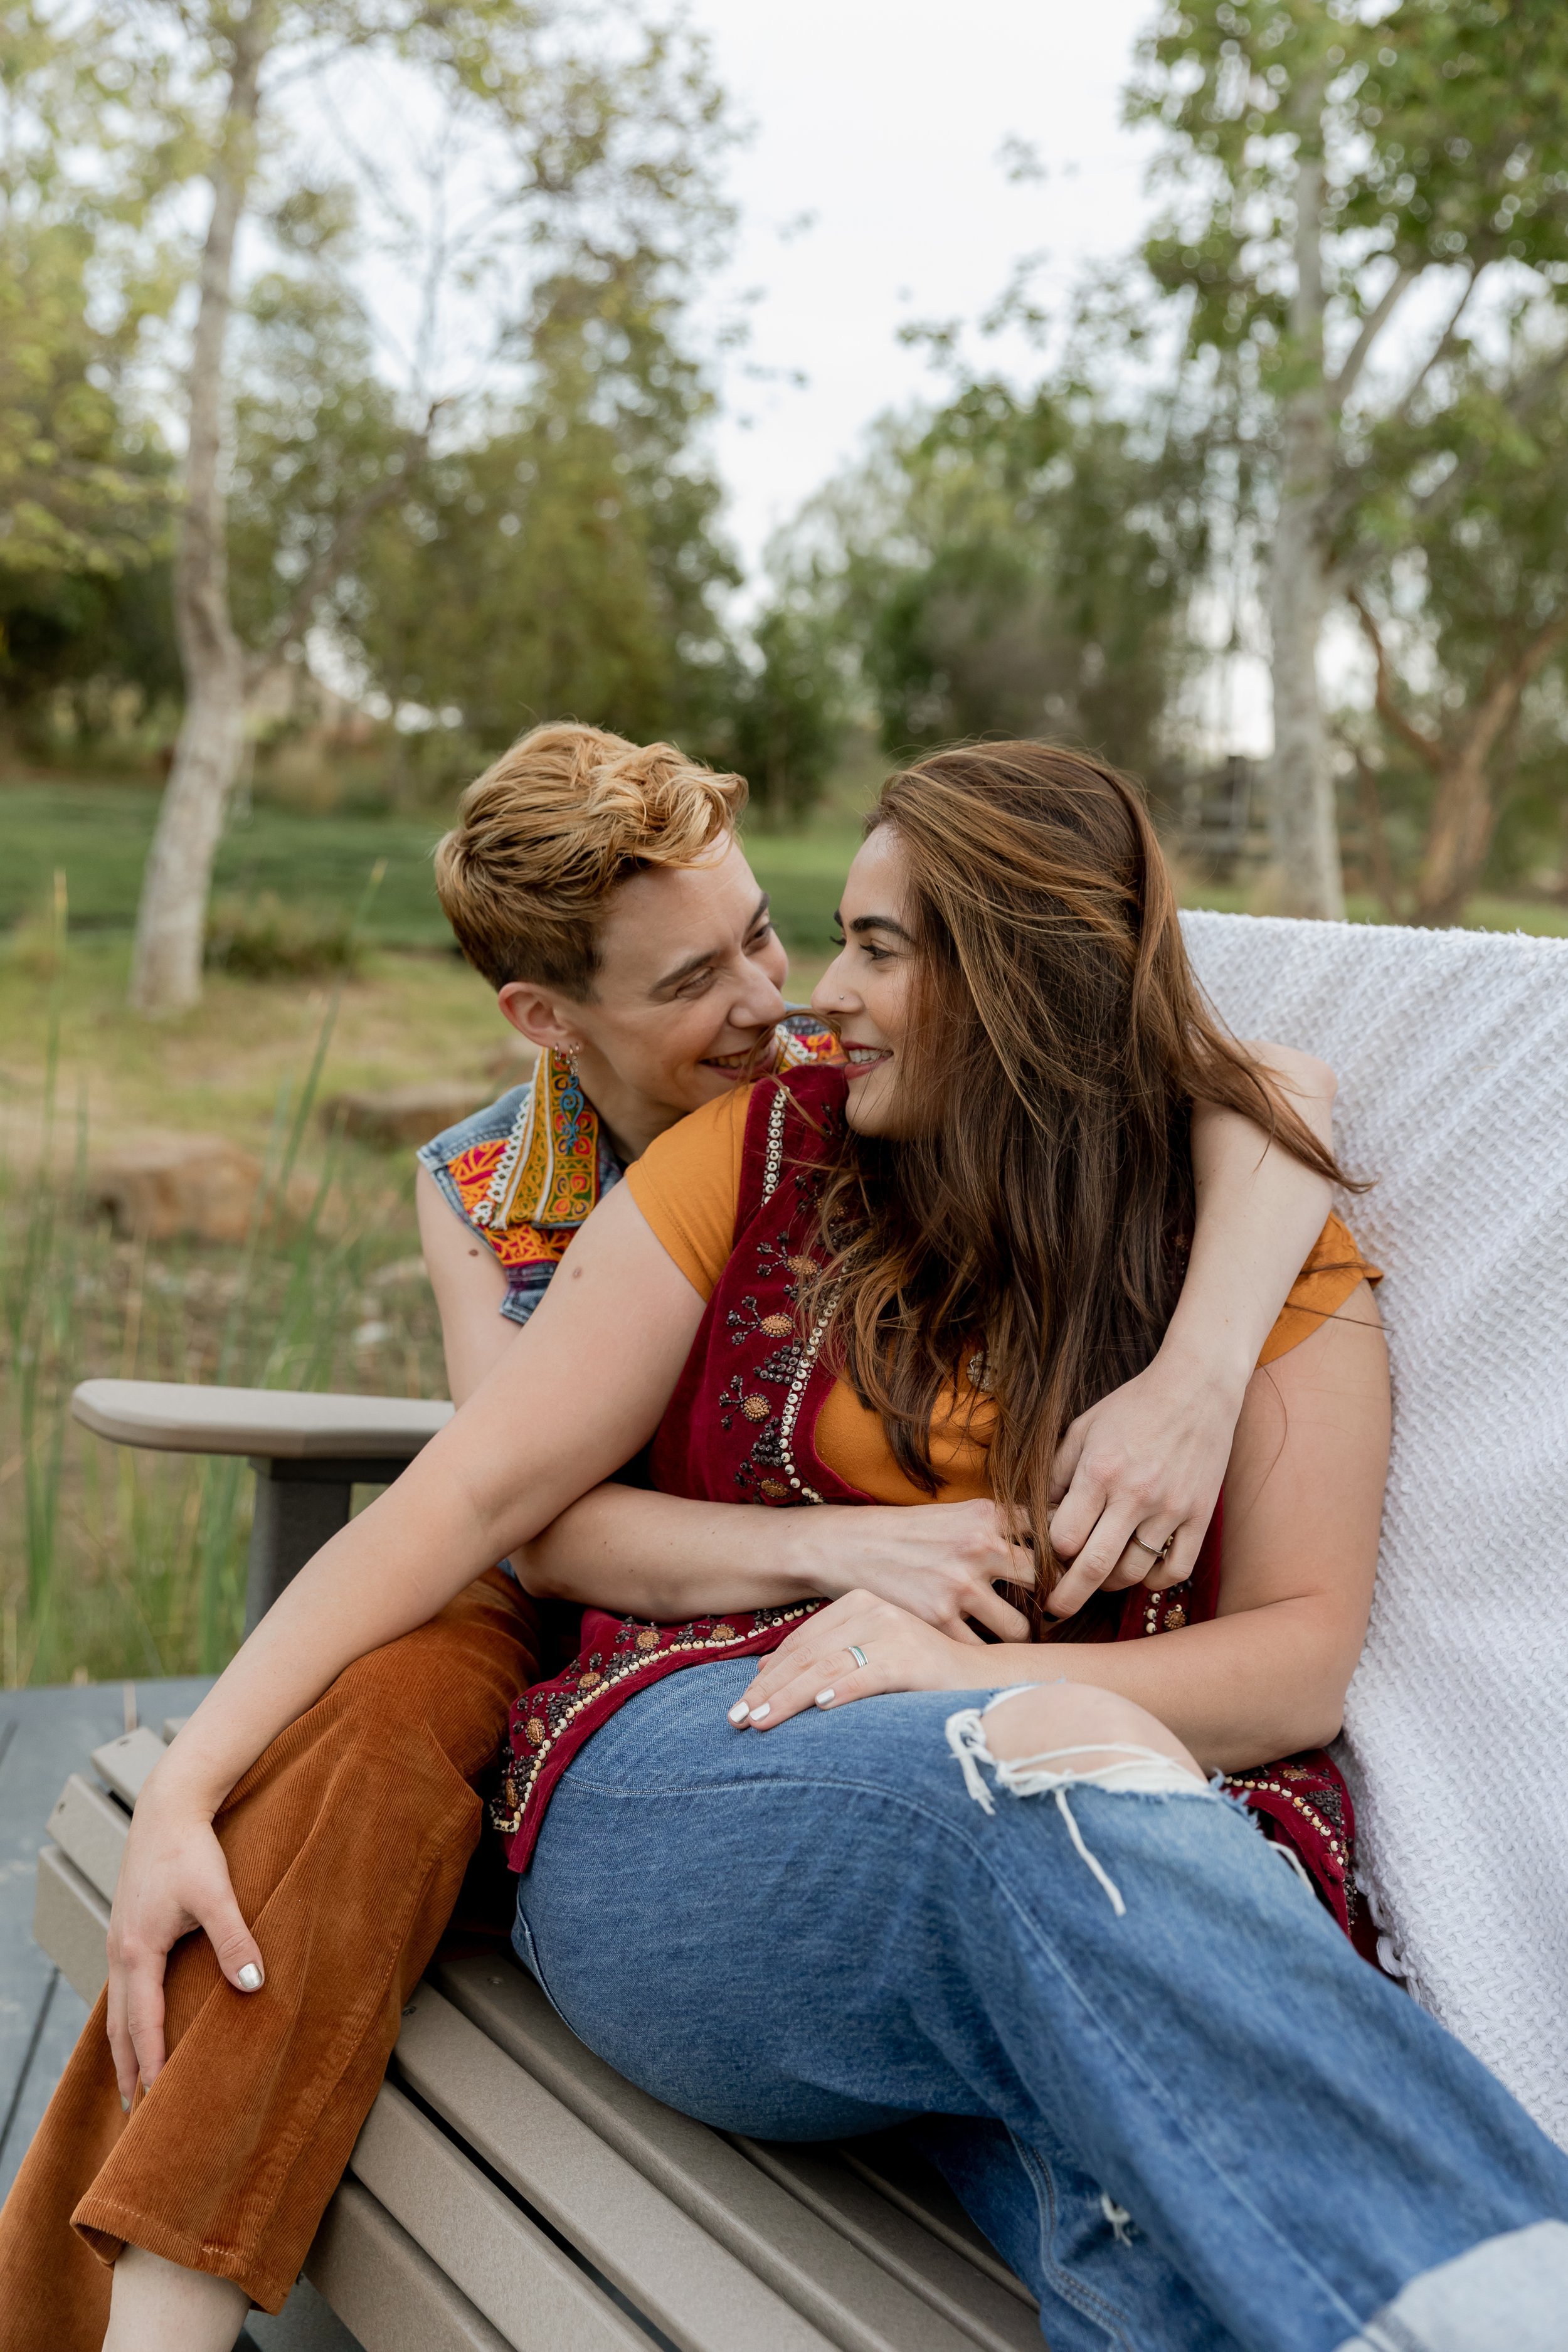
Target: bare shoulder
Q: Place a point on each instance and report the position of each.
(1303, 1493)
(1298, 1072)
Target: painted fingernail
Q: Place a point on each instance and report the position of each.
(250, 1978)
(758, 1712)
(740, 1711)
(124, 2105)
(825, 1698)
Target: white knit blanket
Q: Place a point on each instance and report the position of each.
(1452, 1052)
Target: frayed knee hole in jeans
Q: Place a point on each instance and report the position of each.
(1144, 1772)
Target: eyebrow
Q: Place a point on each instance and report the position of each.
(704, 956)
(874, 923)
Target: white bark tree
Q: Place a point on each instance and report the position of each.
(585, 127)
(1341, 172)
(170, 922)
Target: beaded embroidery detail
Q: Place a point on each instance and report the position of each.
(629, 1649)
(547, 1171)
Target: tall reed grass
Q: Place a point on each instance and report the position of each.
(118, 1562)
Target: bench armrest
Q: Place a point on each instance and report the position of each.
(269, 1424)
(309, 1454)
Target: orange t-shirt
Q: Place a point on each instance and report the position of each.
(687, 1185)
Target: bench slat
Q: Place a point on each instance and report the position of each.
(91, 1830)
(690, 2286)
(70, 1922)
(387, 2290)
(508, 2269)
(906, 2180)
(976, 2303)
(807, 2258)
(124, 1764)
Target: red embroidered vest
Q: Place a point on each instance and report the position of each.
(738, 1429)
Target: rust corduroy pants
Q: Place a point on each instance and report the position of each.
(347, 1844)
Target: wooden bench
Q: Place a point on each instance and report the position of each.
(509, 2188)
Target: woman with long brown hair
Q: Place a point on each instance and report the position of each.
(810, 1896)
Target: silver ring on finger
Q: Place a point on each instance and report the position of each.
(856, 1652)
(1156, 1552)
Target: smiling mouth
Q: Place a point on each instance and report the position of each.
(861, 1058)
(729, 1066)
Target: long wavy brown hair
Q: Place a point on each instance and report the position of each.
(1057, 1046)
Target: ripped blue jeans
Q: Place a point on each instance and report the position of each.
(1154, 2071)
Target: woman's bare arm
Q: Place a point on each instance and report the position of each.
(660, 1556)
(1268, 1674)
(1303, 1505)
(470, 1286)
(577, 1394)
(1150, 1455)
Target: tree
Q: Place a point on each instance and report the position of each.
(1340, 172)
(790, 708)
(1472, 600)
(564, 558)
(1012, 567)
(84, 478)
(537, 132)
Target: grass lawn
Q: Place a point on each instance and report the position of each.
(99, 832)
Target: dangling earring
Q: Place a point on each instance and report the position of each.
(572, 1105)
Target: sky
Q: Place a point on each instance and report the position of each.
(883, 124)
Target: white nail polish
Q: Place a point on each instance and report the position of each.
(125, 2104)
(825, 1698)
(740, 1711)
(758, 1712)
(250, 1978)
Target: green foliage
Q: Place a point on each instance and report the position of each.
(1335, 168)
(549, 543)
(789, 712)
(315, 434)
(567, 560)
(83, 490)
(1469, 596)
(263, 939)
(83, 479)
(1441, 125)
(88, 658)
(1016, 566)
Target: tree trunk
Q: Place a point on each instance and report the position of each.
(171, 923)
(1300, 774)
(1300, 777)
(1457, 839)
